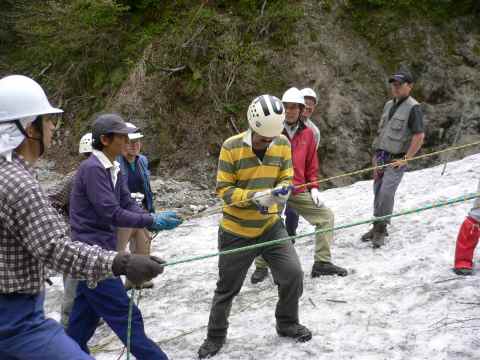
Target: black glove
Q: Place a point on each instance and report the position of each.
(137, 268)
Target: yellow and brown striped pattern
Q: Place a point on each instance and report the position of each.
(240, 174)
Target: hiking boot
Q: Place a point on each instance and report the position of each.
(368, 236)
(463, 271)
(210, 348)
(321, 268)
(297, 332)
(379, 233)
(259, 275)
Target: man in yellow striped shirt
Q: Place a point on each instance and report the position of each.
(253, 179)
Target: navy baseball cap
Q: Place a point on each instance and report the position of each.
(401, 76)
(111, 124)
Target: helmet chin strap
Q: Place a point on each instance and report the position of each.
(38, 123)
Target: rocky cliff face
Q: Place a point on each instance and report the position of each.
(350, 74)
(193, 79)
(348, 70)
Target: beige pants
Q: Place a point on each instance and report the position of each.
(321, 217)
(139, 240)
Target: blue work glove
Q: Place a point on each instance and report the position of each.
(165, 220)
(281, 194)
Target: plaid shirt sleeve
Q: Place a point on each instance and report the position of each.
(42, 233)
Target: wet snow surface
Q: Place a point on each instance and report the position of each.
(399, 302)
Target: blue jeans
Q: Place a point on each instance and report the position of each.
(109, 301)
(25, 333)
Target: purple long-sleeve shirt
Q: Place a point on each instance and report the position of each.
(97, 207)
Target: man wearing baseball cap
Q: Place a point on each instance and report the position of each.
(400, 136)
(100, 203)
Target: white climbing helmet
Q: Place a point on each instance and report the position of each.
(136, 135)
(85, 145)
(266, 116)
(22, 97)
(309, 92)
(293, 95)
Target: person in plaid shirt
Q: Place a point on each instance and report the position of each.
(34, 236)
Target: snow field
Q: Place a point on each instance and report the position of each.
(399, 302)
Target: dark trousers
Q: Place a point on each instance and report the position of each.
(25, 333)
(286, 270)
(109, 301)
(291, 221)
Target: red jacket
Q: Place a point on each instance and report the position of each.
(304, 158)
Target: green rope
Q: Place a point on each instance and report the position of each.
(289, 238)
(129, 326)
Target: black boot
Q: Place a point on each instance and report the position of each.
(379, 233)
(297, 332)
(259, 275)
(321, 268)
(210, 348)
(463, 271)
(368, 236)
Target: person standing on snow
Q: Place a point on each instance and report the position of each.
(305, 201)
(33, 235)
(310, 97)
(99, 203)
(135, 168)
(250, 166)
(467, 240)
(400, 136)
(59, 196)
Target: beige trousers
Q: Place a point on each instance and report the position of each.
(139, 240)
(320, 217)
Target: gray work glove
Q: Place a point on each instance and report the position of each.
(137, 268)
(263, 198)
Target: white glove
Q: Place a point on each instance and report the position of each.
(281, 194)
(315, 194)
(263, 198)
(138, 198)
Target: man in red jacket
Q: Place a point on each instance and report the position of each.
(305, 201)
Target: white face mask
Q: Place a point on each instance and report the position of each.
(11, 137)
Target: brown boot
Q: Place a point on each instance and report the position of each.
(379, 233)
